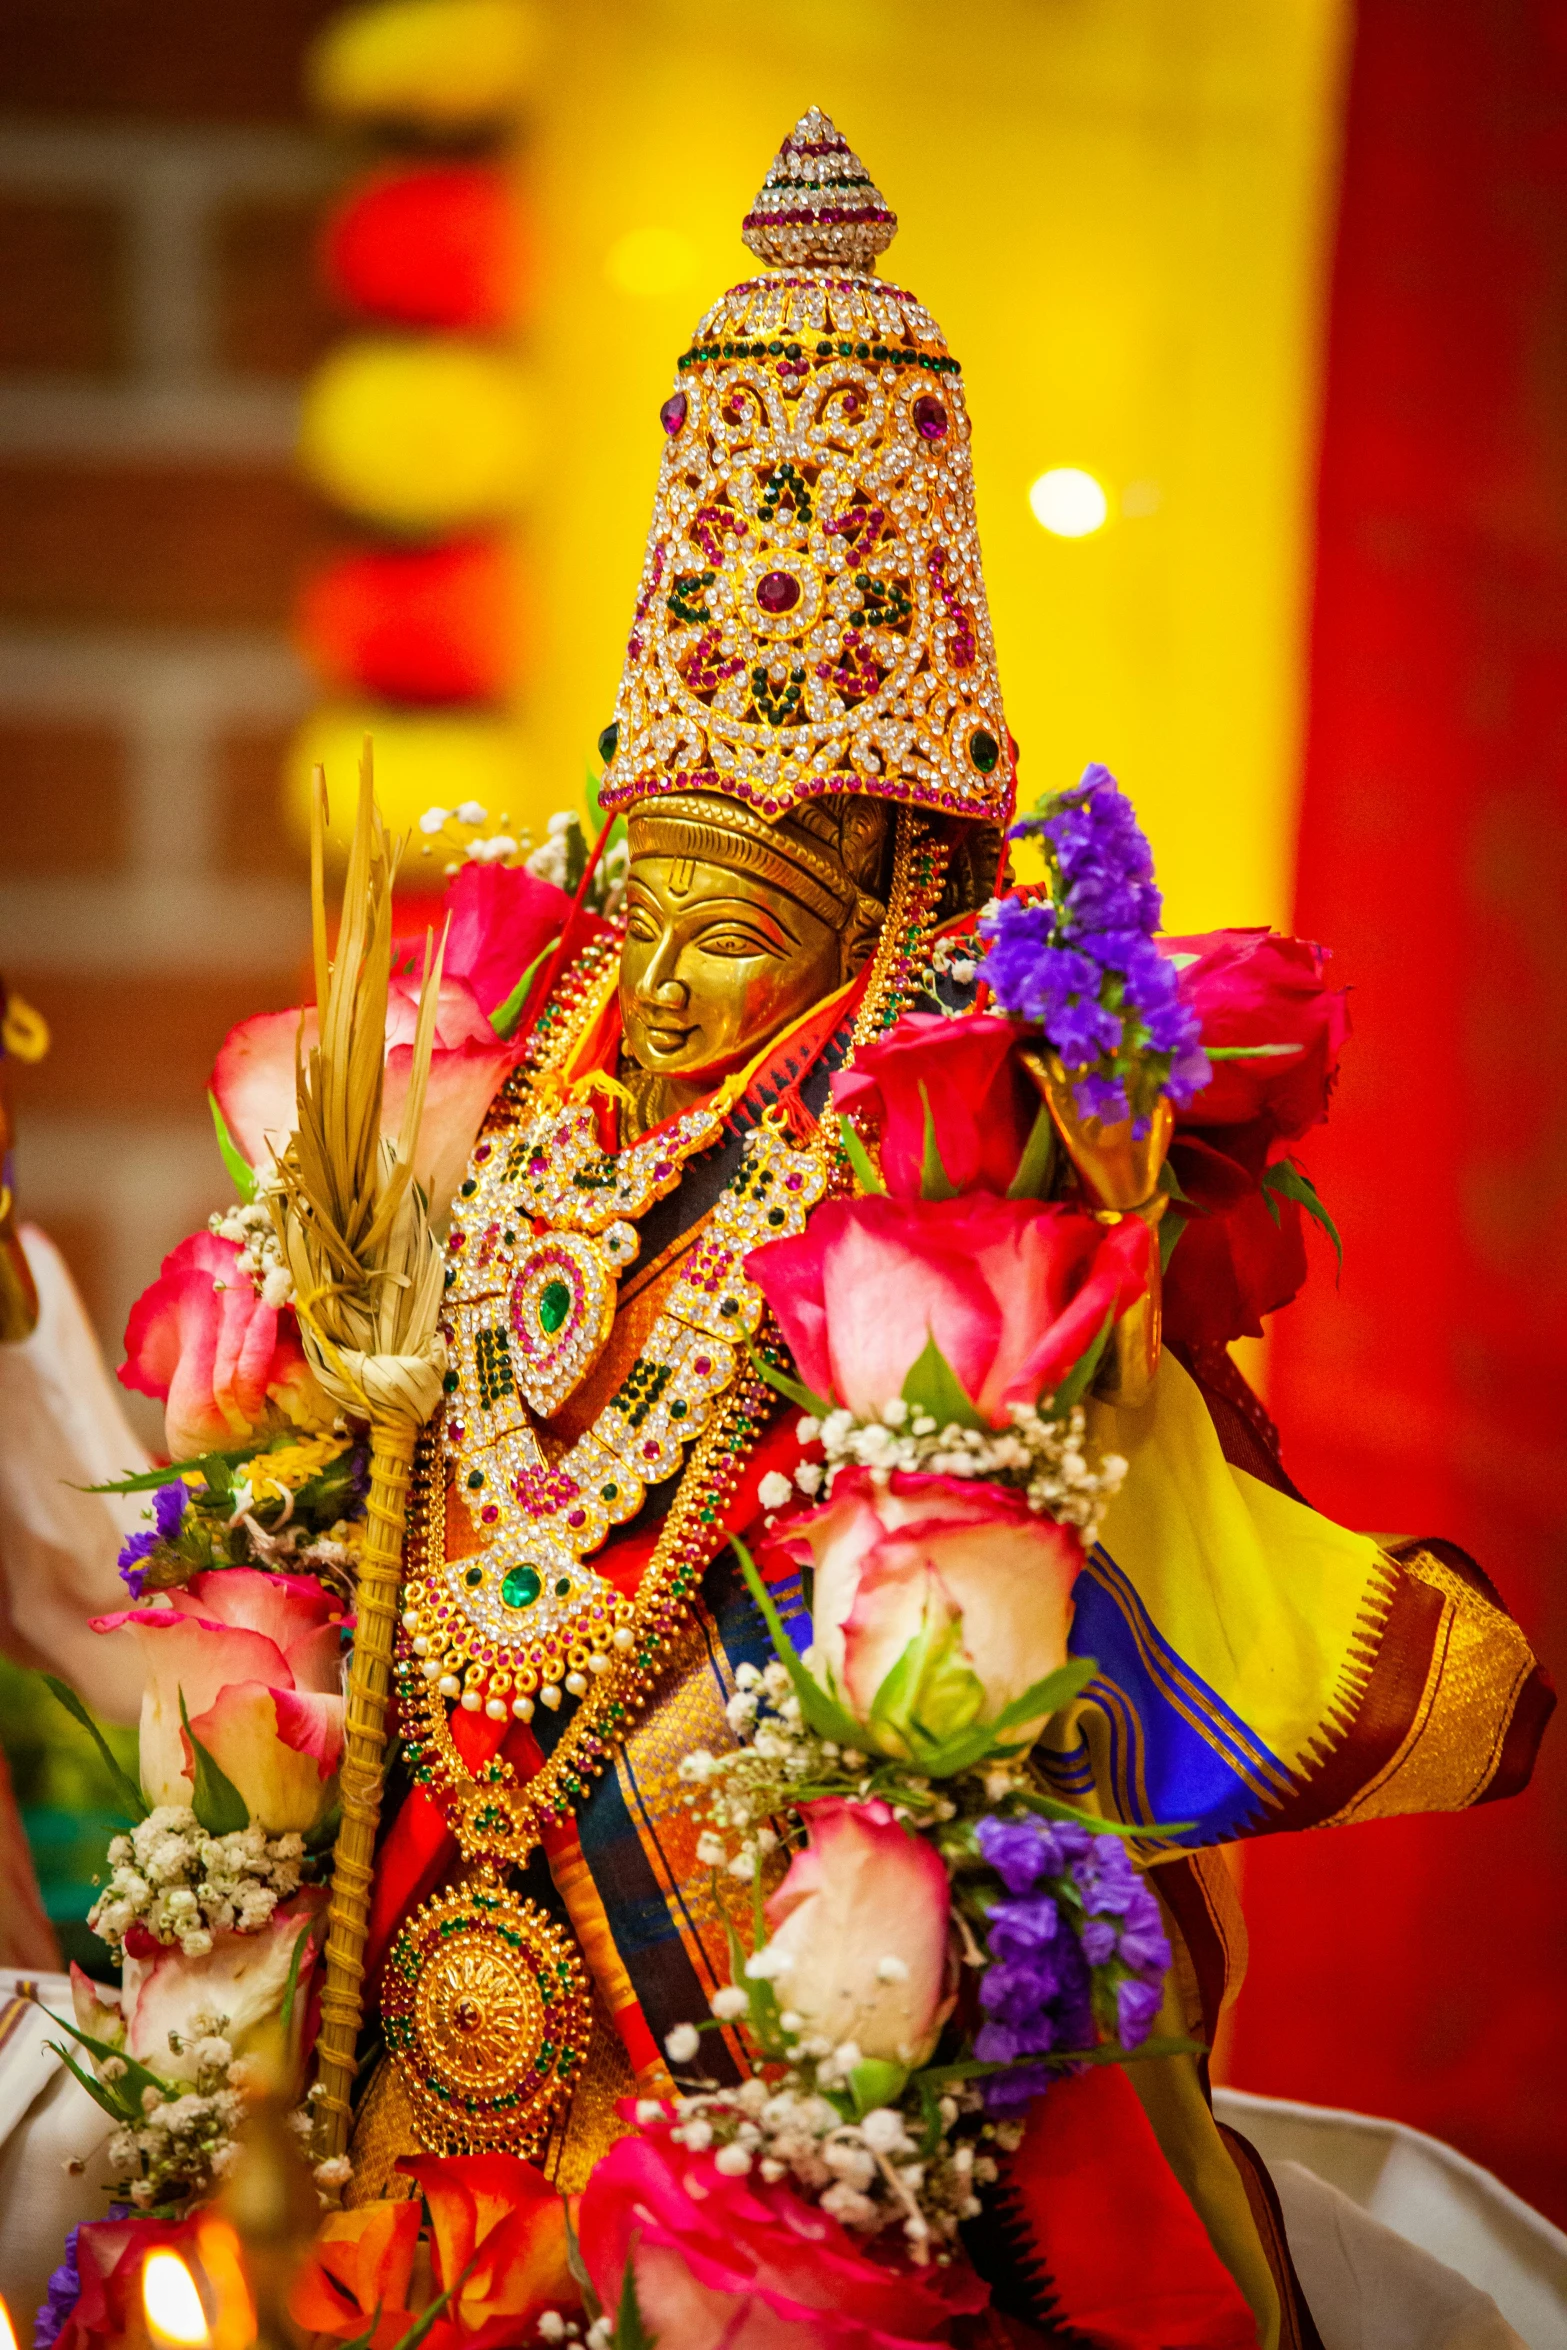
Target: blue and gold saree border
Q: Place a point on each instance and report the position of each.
(1260, 1668)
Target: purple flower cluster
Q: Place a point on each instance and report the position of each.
(168, 1508)
(1085, 967)
(1075, 1921)
(61, 2295)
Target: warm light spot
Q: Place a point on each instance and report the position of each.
(173, 2305)
(7, 2329)
(651, 262)
(1069, 502)
(217, 2246)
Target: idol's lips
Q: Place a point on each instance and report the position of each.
(668, 1040)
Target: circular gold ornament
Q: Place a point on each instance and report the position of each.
(486, 2013)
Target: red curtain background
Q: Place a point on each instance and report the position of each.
(1419, 1969)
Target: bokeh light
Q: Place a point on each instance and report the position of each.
(1069, 502)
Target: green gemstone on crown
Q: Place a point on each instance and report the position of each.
(521, 1587)
(554, 1306)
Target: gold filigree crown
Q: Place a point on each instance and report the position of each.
(811, 616)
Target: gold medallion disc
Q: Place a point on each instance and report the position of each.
(487, 2015)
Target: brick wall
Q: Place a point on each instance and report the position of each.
(158, 189)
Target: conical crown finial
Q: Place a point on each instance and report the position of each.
(819, 207)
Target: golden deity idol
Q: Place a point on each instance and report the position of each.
(812, 763)
(810, 752)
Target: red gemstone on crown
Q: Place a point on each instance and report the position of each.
(930, 418)
(673, 413)
(777, 591)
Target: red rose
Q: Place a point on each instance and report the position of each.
(110, 2257)
(1252, 987)
(1230, 1269)
(726, 2263)
(978, 1100)
(223, 1364)
(1242, 1252)
(1012, 1292)
(502, 916)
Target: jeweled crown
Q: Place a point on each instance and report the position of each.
(811, 616)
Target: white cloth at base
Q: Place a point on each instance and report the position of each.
(1370, 2289)
(1401, 2242)
(61, 1428)
(47, 2119)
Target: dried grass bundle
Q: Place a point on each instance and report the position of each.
(355, 1231)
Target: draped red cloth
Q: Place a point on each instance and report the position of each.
(1414, 1968)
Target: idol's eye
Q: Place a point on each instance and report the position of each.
(642, 925)
(735, 940)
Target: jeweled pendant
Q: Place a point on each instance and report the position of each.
(561, 1310)
(487, 2015)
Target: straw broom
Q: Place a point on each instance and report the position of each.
(355, 1232)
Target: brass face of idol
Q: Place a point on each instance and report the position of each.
(715, 962)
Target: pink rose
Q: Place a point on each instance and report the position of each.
(242, 1977)
(253, 1079)
(258, 1658)
(501, 918)
(735, 2264)
(863, 1891)
(1251, 987)
(980, 1103)
(223, 1364)
(1012, 1292)
(962, 1583)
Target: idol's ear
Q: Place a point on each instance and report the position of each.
(860, 933)
(862, 842)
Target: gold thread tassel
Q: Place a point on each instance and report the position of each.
(355, 1231)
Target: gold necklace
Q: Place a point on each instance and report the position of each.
(529, 1315)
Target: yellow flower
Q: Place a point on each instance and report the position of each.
(273, 1474)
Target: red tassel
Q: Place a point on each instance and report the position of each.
(1102, 2230)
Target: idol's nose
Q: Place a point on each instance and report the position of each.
(661, 983)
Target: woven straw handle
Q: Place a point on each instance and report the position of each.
(362, 1775)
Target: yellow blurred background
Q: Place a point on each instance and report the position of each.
(1120, 211)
